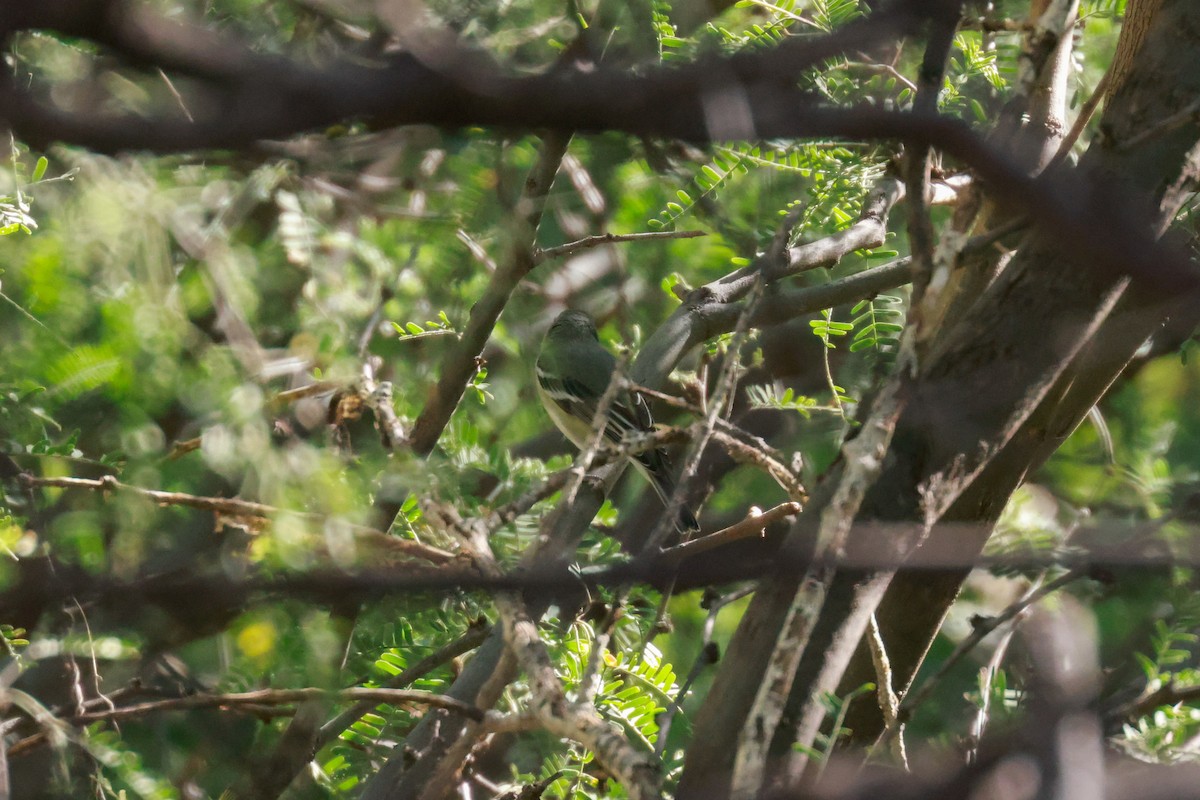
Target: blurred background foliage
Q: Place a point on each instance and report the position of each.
(155, 310)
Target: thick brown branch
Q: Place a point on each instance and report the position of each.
(273, 98)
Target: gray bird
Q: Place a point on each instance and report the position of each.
(573, 372)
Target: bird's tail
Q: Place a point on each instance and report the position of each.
(655, 466)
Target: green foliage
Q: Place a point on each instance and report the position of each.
(439, 327)
(835, 708)
(120, 771)
(1171, 663)
(1111, 8)
(1162, 736)
(826, 328)
(711, 176)
(13, 639)
(163, 319)
(768, 397)
(995, 699)
(830, 14)
(781, 17)
(638, 688)
(878, 323)
(1034, 527)
(669, 43)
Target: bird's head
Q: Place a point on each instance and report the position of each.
(573, 325)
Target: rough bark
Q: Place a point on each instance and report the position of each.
(1138, 16)
(917, 601)
(975, 393)
(1149, 174)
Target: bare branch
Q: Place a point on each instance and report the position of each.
(885, 691)
(869, 231)
(272, 697)
(241, 510)
(755, 523)
(280, 97)
(637, 771)
(863, 458)
(918, 156)
(378, 397)
(277, 97)
(599, 239)
(261, 701)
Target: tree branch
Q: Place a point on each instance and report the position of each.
(464, 359)
(599, 239)
(256, 514)
(755, 523)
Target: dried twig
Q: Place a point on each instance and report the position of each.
(378, 397)
(708, 655)
(242, 510)
(261, 701)
(540, 254)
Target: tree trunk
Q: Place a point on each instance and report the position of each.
(917, 601)
(975, 395)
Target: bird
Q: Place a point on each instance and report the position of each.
(573, 372)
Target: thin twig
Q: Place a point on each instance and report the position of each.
(548, 701)
(1086, 112)
(1184, 115)
(981, 630)
(988, 677)
(175, 93)
(885, 69)
(234, 508)
(753, 453)
(600, 421)
(741, 445)
(540, 255)
(301, 392)
(870, 230)
(708, 655)
(271, 697)
(918, 159)
(225, 506)
(256, 702)
(378, 397)
(474, 636)
(510, 511)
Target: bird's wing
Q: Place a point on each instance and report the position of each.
(629, 414)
